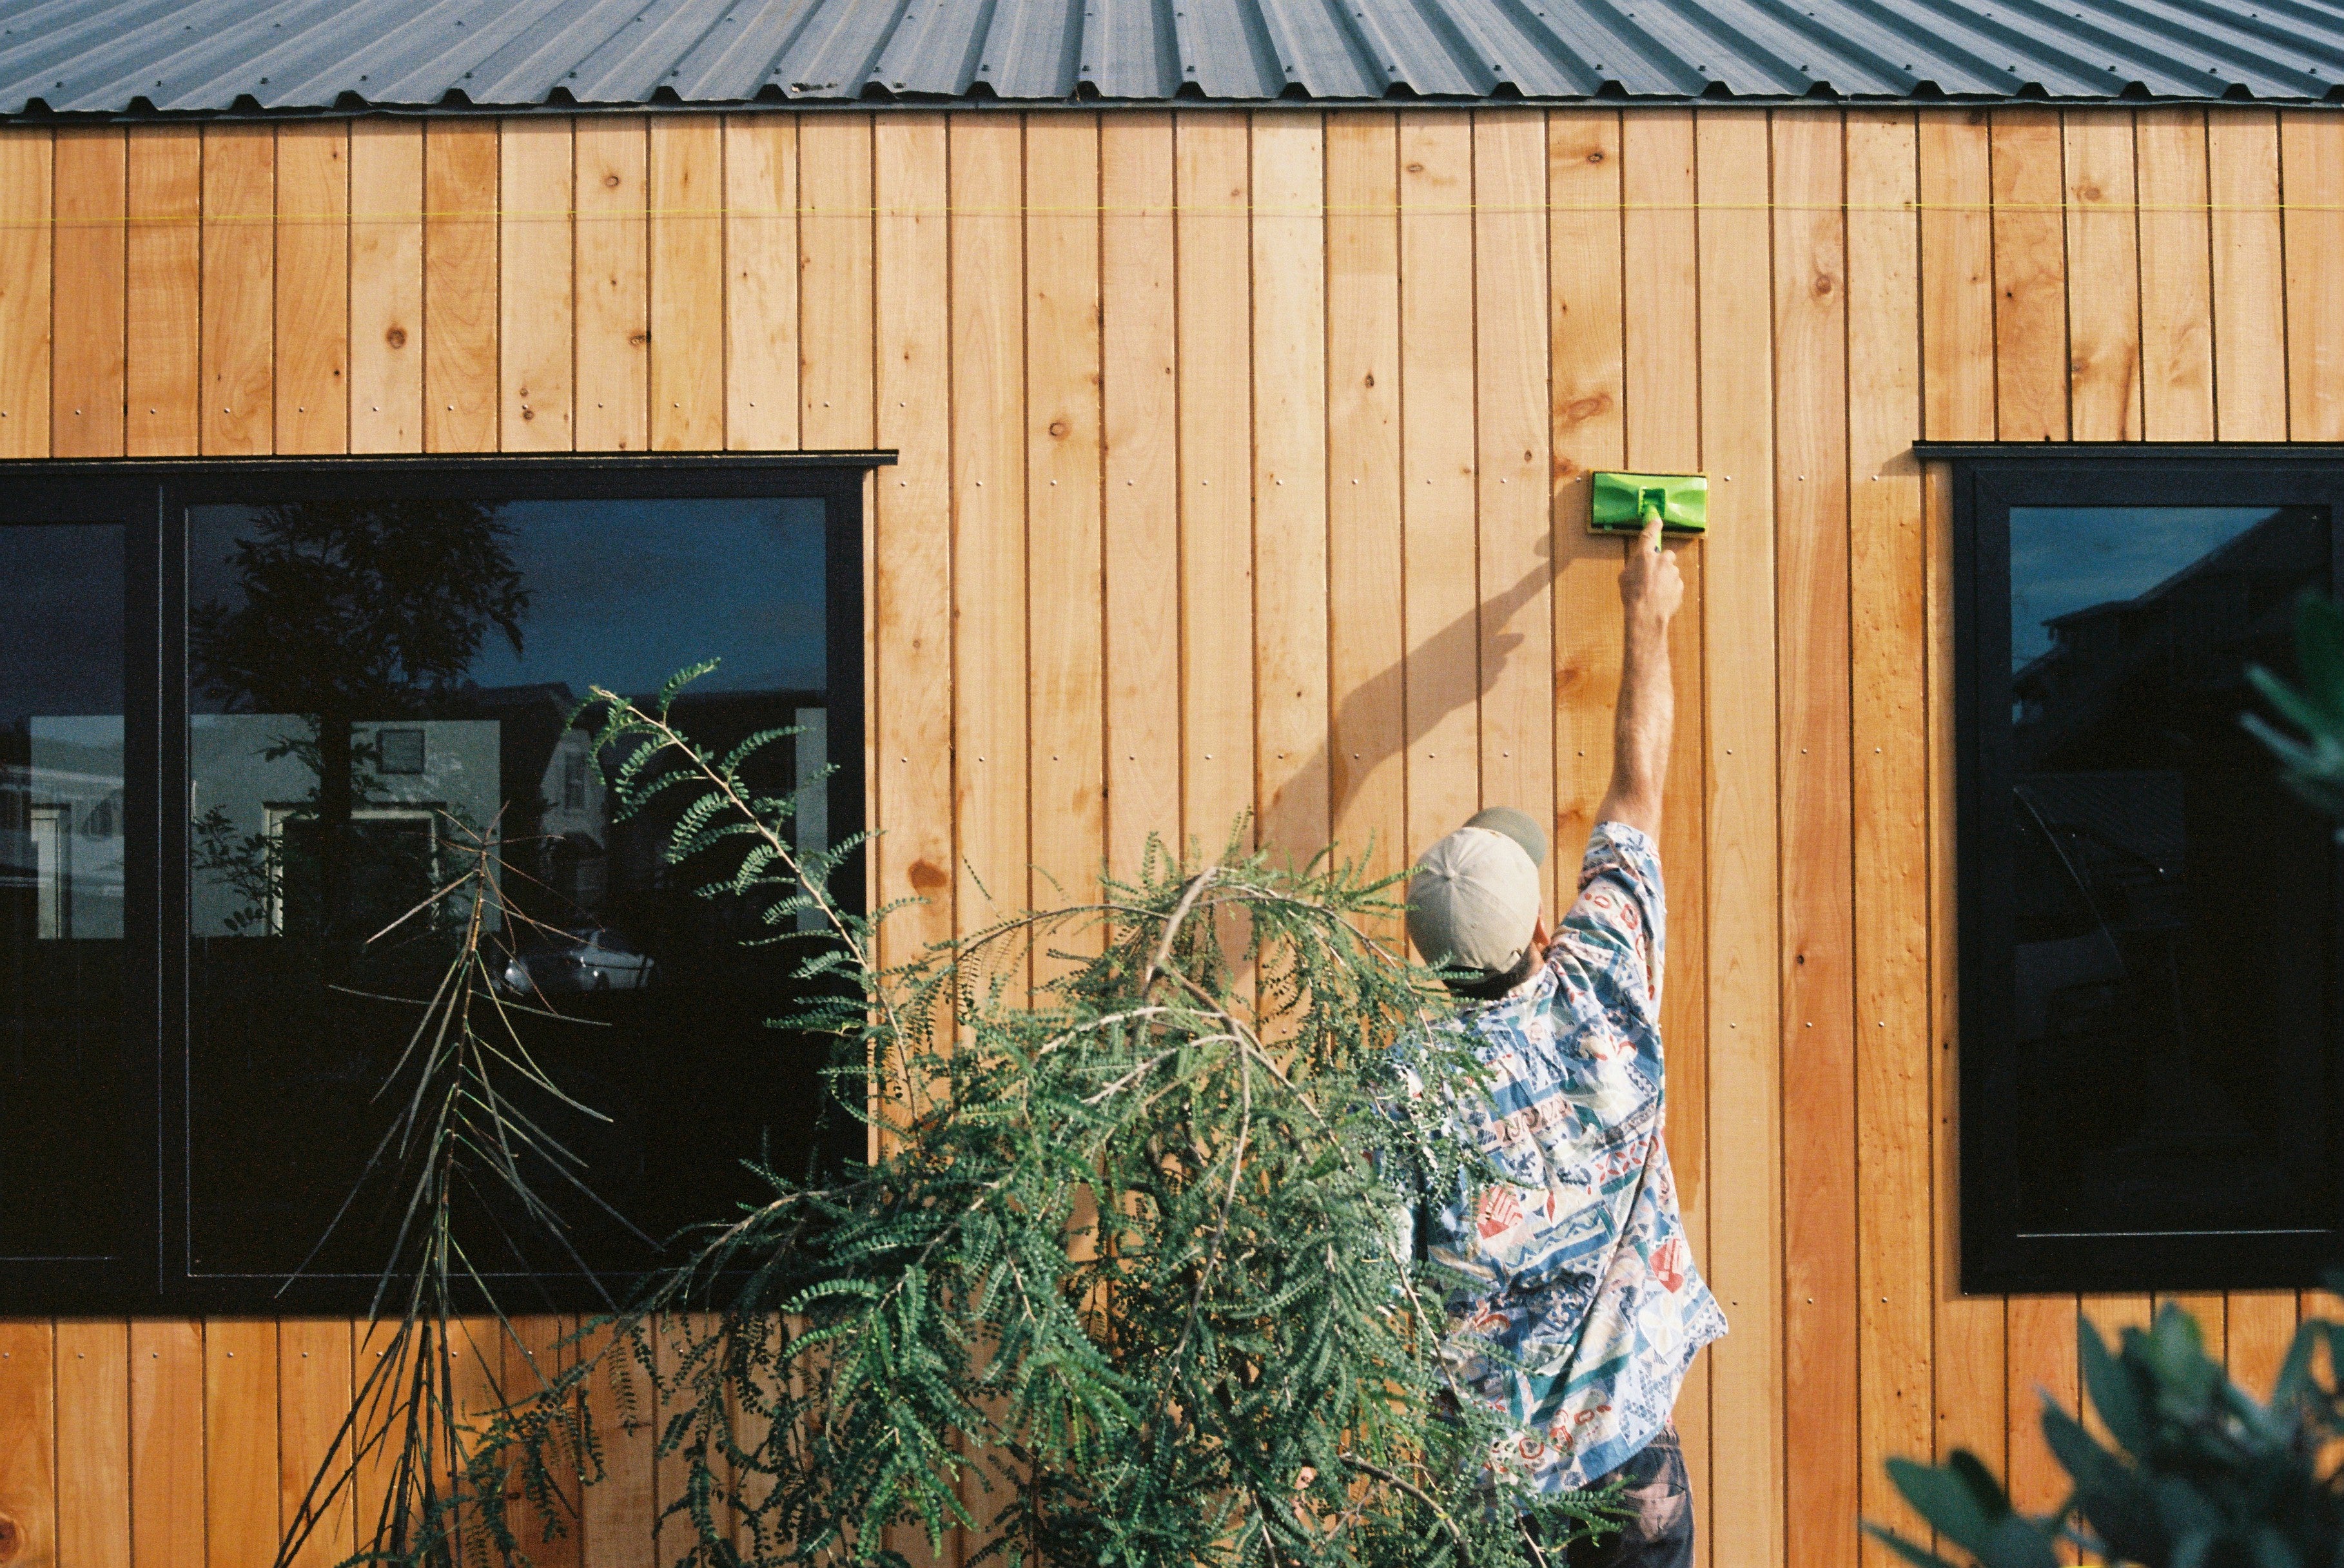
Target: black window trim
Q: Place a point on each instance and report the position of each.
(1988, 480)
(150, 497)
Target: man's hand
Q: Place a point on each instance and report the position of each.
(1650, 589)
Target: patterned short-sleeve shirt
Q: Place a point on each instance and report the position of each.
(1579, 1308)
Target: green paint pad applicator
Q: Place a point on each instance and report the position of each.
(1623, 501)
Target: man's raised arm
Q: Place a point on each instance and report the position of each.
(1650, 588)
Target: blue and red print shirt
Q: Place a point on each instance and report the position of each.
(1579, 1308)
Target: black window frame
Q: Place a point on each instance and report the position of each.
(1987, 480)
(150, 497)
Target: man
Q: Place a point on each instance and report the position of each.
(1581, 1307)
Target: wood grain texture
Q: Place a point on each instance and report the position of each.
(2177, 290)
(461, 278)
(2260, 1325)
(615, 1514)
(163, 266)
(536, 287)
(242, 1491)
(533, 1355)
(760, 282)
(239, 291)
(912, 585)
(313, 1401)
(313, 287)
(27, 239)
(1441, 608)
(166, 1443)
(2104, 319)
(613, 281)
(986, 175)
(687, 262)
(1212, 259)
(1289, 481)
(1066, 700)
(92, 173)
(1957, 276)
(1888, 747)
(2311, 184)
(1818, 1057)
(1745, 1128)
(93, 1360)
(386, 287)
(28, 1439)
(2030, 276)
(1514, 534)
(836, 160)
(1366, 642)
(2249, 279)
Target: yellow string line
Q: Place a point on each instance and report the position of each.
(572, 214)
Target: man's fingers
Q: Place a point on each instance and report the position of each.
(1650, 537)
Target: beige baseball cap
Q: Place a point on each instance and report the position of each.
(1474, 900)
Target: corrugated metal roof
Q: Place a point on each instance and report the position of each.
(117, 56)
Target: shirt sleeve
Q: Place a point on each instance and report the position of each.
(1619, 926)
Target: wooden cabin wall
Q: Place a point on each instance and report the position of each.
(1243, 463)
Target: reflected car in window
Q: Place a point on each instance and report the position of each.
(591, 959)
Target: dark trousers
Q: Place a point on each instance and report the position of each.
(1660, 1535)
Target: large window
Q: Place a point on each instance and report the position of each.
(2149, 920)
(253, 716)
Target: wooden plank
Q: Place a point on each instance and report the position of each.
(2112, 1315)
(28, 1435)
(386, 287)
(460, 285)
(536, 263)
(534, 1354)
(240, 290)
(1140, 517)
(313, 1401)
(2030, 274)
(1289, 479)
(2260, 1327)
(313, 287)
(1437, 461)
(1216, 676)
(162, 370)
(1366, 647)
(761, 270)
(475, 1367)
(2210, 1310)
(615, 1514)
(913, 565)
(1811, 642)
(687, 258)
(1888, 743)
(1516, 559)
(2176, 288)
(94, 1442)
(2311, 183)
(28, 237)
(167, 1442)
(2041, 1364)
(2103, 342)
(92, 205)
(988, 490)
(613, 285)
(834, 238)
(241, 1522)
(1662, 426)
(2249, 277)
(1957, 279)
(1067, 697)
(1972, 1392)
(1745, 1130)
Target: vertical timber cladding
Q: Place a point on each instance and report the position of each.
(1223, 437)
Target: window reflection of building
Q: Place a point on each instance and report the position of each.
(61, 824)
(2170, 901)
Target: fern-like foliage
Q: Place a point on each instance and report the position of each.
(1120, 1281)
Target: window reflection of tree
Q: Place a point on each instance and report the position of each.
(348, 612)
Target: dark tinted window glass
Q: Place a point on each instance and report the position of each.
(2173, 908)
(374, 687)
(62, 1053)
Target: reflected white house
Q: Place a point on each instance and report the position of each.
(61, 826)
